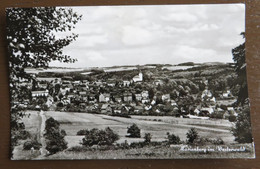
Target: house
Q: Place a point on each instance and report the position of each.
(153, 102)
(118, 98)
(148, 107)
(207, 109)
(138, 78)
(106, 109)
(145, 101)
(117, 109)
(104, 97)
(63, 91)
(196, 111)
(165, 97)
(42, 85)
(145, 94)
(111, 82)
(40, 93)
(85, 98)
(213, 100)
(138, 97)
(128, 97)
(173, 103)
(231, 109)
(227, 94)
(158, 82)
(49, 101)
(126, 83)
(206, 94)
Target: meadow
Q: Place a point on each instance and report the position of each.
(157, 126)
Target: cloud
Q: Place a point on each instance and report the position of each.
(93, 40)
(189, 53)
(136, 36)
(180, 17)
(121, 35)
(94, 56)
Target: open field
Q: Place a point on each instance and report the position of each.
(158, 126)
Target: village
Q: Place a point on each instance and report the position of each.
(146, 92)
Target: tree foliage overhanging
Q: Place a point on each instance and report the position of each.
(33, 42)
(242, 130)
(240, 68)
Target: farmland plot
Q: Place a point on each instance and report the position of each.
(157, 126)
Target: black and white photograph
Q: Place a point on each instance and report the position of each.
(128, 82)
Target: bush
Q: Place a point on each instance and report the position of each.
(23, 135)
(218, 141)
(192, 135)
(82, 132)
(242, 130)
(147, 138)
(55, 137)
(134, 131)
(99, 137)
(172, 139)
(232, 118)
(137, 145)
(124, 145)
(32, 144)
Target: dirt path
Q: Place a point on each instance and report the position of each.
(43, 151)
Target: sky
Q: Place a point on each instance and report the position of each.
(158, 34)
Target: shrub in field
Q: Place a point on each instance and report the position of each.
(82, 132)
(134, 131)
(147, 138)
(99, 137)
(137, 145)
(23, 135)
(201, 141)
(192, 135)
(173, 139)
(218, 141)
(55, 141)
(32, 144)
(242, 129)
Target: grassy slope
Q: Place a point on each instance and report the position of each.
(154, 153)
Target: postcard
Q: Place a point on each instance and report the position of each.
(129, 82)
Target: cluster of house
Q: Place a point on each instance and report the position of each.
(110, 96)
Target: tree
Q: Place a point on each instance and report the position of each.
(173, 139)
(99, 137)
(134, 131)
(242, 129)
(54, 136)
(32, 42)
(240, 68)
(192, 135)
(147, 138)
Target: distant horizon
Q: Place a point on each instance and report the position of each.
(199, 63)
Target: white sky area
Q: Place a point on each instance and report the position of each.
(159, 34)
